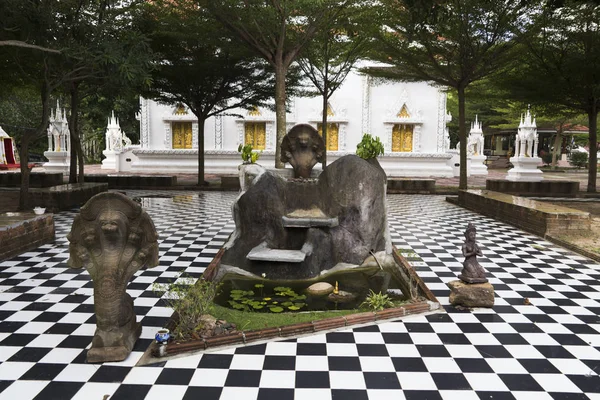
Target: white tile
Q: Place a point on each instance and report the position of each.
(486, 382)
(23, 390)
(247, 361)
(312, 363)
(523, 351)
(190, 361)
(96, 390)
(556, 383)
(458, 395)
(311, 394)
(377, 364)
(441, 364)
(209, 377)
(368, 338)
(12, 370)
(236, 393)
(342, 349)
(60, 356)
(277, 379)
(416, 381)
(347, 380)
(142, 376)
(281, 349)
(569, 366)
(161, 392)
(506, 366)
(76, 373)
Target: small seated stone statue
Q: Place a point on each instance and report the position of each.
(302, 147)
(472, 272)
(112, 237)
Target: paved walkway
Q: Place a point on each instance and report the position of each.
(540, 341)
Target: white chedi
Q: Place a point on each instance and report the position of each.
(475, 140)
(116, 140)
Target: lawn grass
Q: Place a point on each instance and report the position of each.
(247, 321)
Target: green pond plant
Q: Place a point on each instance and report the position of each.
(190, 299)
(377, 301)
(282, 298)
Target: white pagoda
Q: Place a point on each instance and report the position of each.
(525, 160)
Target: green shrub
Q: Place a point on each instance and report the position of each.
(369, 147)
(578, 159)
(190, 300)
(377, 301)
(249, 156)
(546, 157)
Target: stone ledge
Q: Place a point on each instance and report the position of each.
(20, 232)
(537, 189)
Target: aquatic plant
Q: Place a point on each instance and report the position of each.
(282, 298)
(377, 301)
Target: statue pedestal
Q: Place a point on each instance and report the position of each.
(477, 165)
(471, 294)
(525, 169)
(111, 161)
(58, 161)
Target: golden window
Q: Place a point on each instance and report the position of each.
(402, 138)
(182, 135)
(333, 130)
(255, 134)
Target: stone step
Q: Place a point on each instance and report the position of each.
(309, 222)
(263, 253)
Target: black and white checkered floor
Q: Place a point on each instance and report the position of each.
(546, 350)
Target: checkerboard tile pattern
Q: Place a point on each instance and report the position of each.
(540, 341)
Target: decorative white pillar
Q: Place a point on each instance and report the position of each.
(59, 141)
(116, 141)
(475, 149)
(526, 161)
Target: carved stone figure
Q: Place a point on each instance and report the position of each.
(472, 272)
(112, 237)
(302, 147)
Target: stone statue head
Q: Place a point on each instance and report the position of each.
(471, 232)
(302, 147)
(108, 223)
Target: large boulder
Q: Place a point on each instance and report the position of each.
(337, 219)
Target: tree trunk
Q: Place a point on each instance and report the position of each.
(201, 123)
(280, 117)
(24, 151)
(73, 155)
(462, 136)
(593, 151)
(557, 149)
(324, 125)
(75, 174)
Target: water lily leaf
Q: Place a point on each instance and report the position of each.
(276, 309)
(287, 304)
(293, 308)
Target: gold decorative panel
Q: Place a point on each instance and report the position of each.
(255, 134)
(182, 135)
(255, 112)
(333, 132)
(403, 112)
(329, 110)
(180, 110)
(402, 138)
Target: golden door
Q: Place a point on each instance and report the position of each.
(255, 134)
(182, 135)
(333, 131)
(402, 138)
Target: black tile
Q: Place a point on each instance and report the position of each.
(246, 378)
(61, 391)
(510, 338)
(63, 329)
(344, 363)
(432, 350)
(368, 328)
(215, 361)
(495, 395)
(418, 327)
(273, 394)
(110, 374)
(582, 329)
(49, 316)
(453, 338)
(312, 379)
(493, 352)
(18, 339)
(539, 366)
(340, 337)
(589, 384)
(4, 385)
(569, 396)
(131, 392)
(204, 393)
(396, 338)
(344, 394)
(489, 317)
(311, 349)
(422, 395)
(75, 342)
(554, 352)
(409, 364)
(381, 380)
(30, 354)
(370, 350)
(449, 381)
(566, 339)
(540, 318)
(472, 328)
(526, 328)
(519, 382)
(175, 376)
(473, 365)
(280, 362)
(254, 349)
(43, 372)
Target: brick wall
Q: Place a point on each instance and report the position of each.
(30, 232)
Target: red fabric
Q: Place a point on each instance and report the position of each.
(8, 151)
(10, 166)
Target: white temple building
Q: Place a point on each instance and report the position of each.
(409, 118)
(59, 142)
